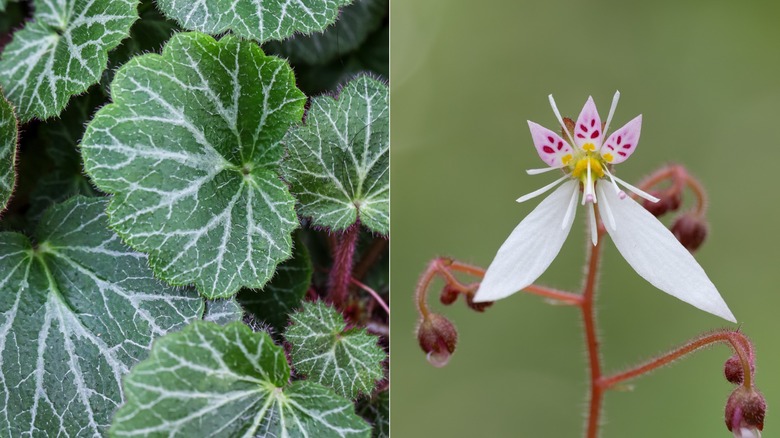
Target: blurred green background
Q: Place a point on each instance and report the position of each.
(465, 78)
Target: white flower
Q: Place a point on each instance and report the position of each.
(586, 161)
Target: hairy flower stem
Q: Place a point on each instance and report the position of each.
(591, 339)
(341, 271)
(443, 266)
(680, 178)
(738, 342)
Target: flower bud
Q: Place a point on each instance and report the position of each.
(745, 412)
(667, 203)
(448, 295)
(690, 231)
(437, 337)
(479, 307)
(734, 371)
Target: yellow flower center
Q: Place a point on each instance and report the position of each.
(578, 164)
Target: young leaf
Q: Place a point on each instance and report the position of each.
(355, 24)
(349, 361)
(61, 52)
(376, 410)
(77, 311)
(338, 161)
(210, 380)
(190, 148)
(261, 20)
(274, 304)
(8, 139)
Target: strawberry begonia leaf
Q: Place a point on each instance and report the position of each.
(261, 20)
(339, 159)
(355, 24)
(190, 148)
(77, 310)
(227, 381)
(324, 350)
(61, 52)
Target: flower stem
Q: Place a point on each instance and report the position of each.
(341, 272)
(736, 340)
(444, 267)
(373, 293)
(591, 340)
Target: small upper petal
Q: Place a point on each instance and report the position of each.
(588, 127)
(622, 143)
(531, 247)
(656, 255)
(552, 149)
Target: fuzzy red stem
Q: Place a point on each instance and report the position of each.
(736, 340)
(341, 272)
(591, 340)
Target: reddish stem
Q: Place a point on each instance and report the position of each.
(373, 293)
(341, 271)
(591, 339)
(443, 266)
(737, 341)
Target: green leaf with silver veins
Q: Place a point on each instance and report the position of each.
(261, 20)
(324, 350)
(338, 163)
(227, 381)
(77, 311)
(190, 148)
(61, 52)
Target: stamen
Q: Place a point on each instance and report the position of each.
(638, 191)
(621, 194)
(594, 231)
(560, 120)
(615, 99)
(607, 209)
(542, 170)
(572, 205)
(543, 190)
(590, 196)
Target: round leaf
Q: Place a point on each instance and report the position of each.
(77, 311)
(227, 381)
(339, 160)
(61, 52)
(261, 20)
(190, 148)
(349, 361)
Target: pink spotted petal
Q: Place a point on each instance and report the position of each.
(622, 143)
(588, 128)
(550, 146)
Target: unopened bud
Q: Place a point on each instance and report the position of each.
(437, 337)
(479, 307)
(734, 371)
(448, 295)
(690, 231)
(745, 413)
(667, 202)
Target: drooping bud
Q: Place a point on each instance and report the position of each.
(745, 411)
(668, 202)
(448, 295)
(690, 230)
(479, 307)
(734, 371)
(437, 337)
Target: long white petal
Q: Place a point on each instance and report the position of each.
(531, 247)
(656, 255)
